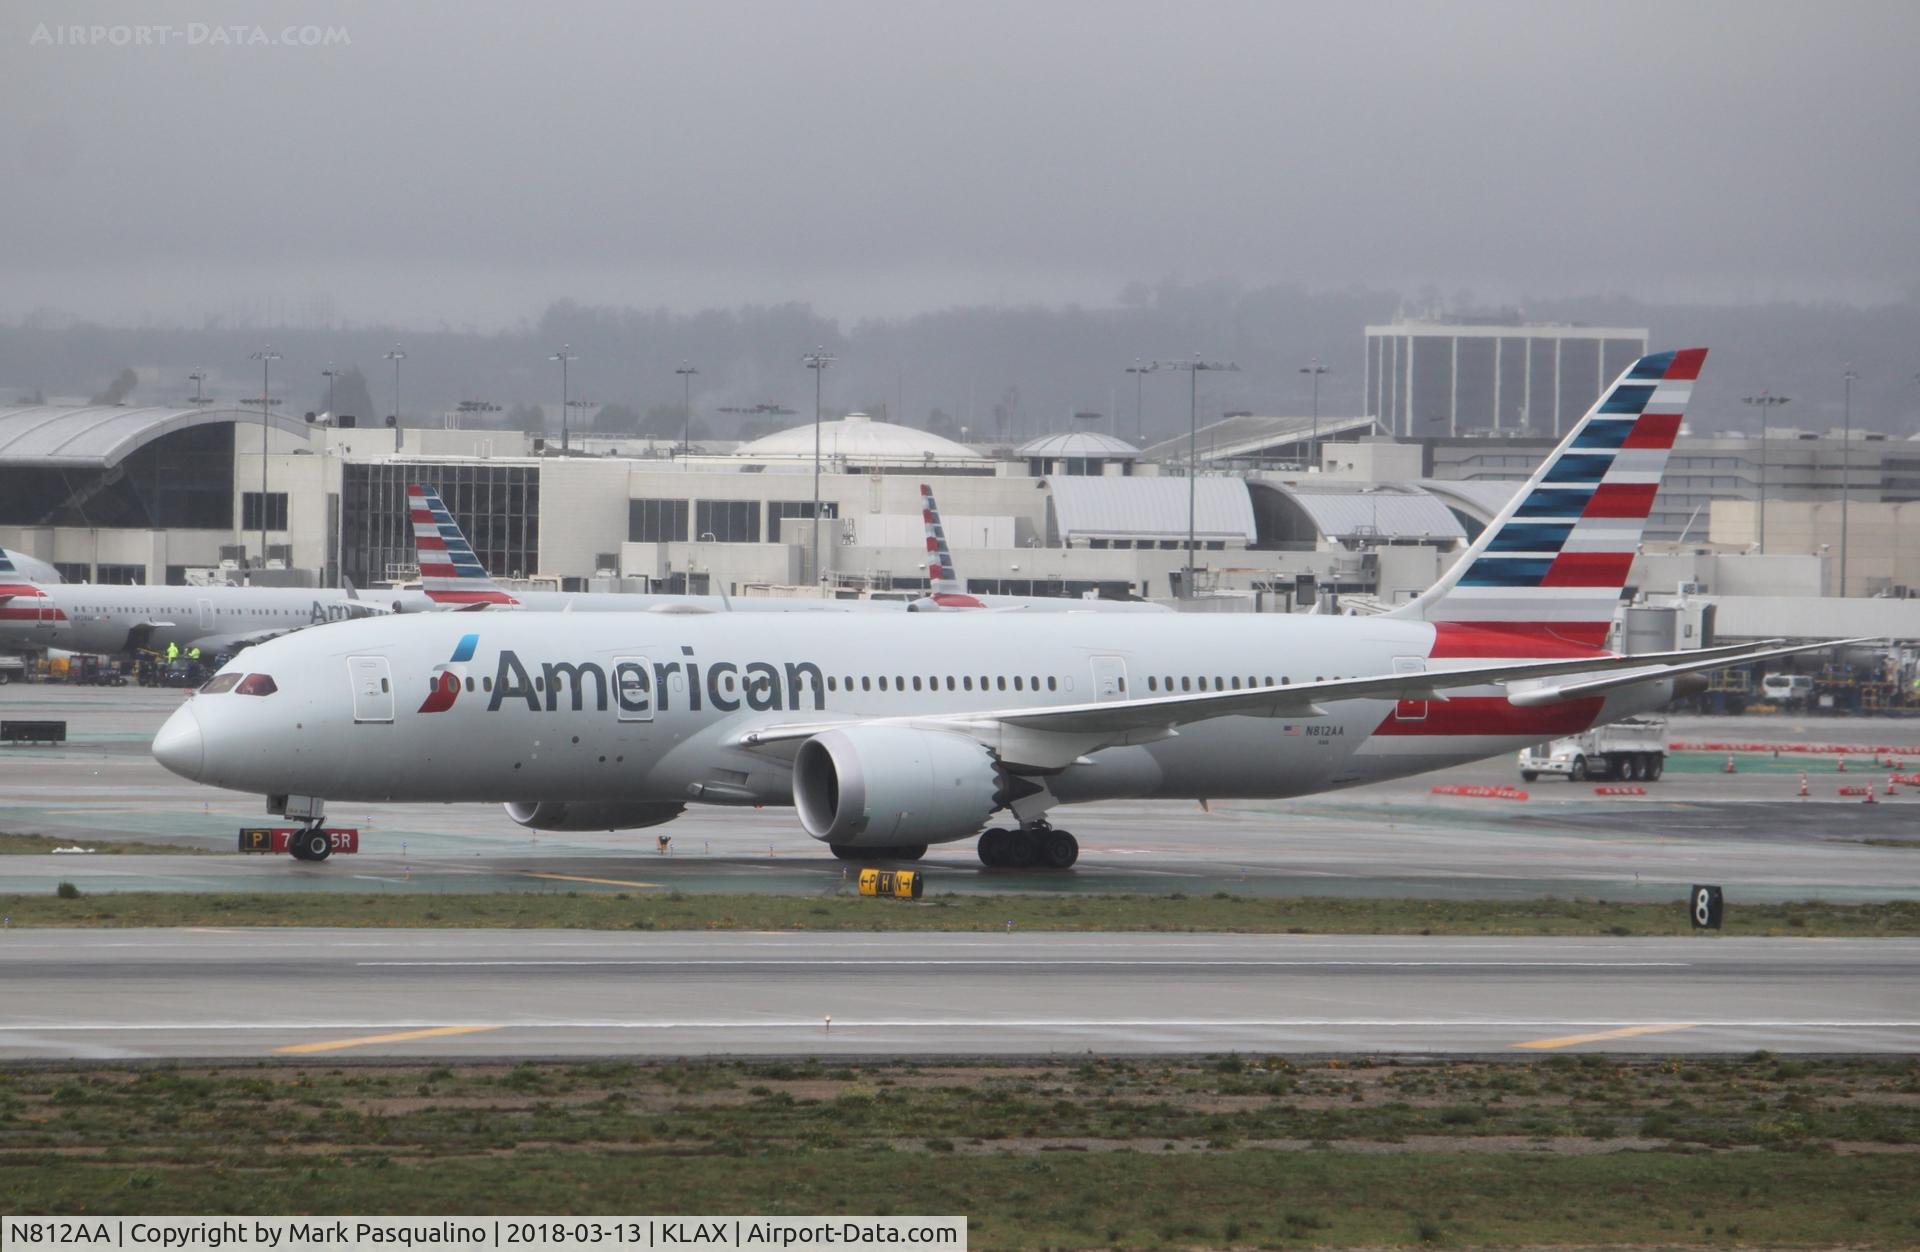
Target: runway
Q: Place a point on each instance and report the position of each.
(118, 994)
(1747, 831)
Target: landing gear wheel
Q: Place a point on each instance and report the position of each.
(1058, 849)
(1022, 849)
(1579, 771)
(310, 844)
(993, 849)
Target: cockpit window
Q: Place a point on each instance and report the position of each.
(256, 685)
(219, 683)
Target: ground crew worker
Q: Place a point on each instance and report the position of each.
(173, 653)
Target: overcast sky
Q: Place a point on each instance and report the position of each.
(469, 162)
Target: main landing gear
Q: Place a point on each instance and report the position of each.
(1036, 846)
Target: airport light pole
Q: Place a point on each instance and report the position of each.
(330, 374)
(566, 357)
(1139, 373)
(686, 372)
(817, 361)
(1313, 444)
(396, 356)
(198, 378)
(1766, 402)
(1846, 468)
(266, 357)
(1194, 369)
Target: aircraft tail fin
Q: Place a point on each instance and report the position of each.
(1545, 575)
(13, 581)
(450, 571)
(943, 585)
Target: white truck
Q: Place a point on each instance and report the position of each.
(1631, 750)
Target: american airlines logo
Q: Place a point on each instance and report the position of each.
(448, 678)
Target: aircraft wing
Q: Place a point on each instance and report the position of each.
(1554, 694)
(1053, 737)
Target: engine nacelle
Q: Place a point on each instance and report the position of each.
(591, 815)
(881, 786)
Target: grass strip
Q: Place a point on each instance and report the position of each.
(1224, 913)
(34, 844)
(1246, 1151)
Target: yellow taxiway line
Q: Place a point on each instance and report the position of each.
(607, 882)
(1624, 1032)
(335, 1045)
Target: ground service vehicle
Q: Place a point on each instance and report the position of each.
(1632, 750)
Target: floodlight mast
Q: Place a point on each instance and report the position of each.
(266, 357)
(1194, 369)
(818, 360)
(566, 357)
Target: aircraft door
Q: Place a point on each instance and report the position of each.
(633, 688)
(1109, 678)
(372, 680)
(205, 609)
(1410, 710)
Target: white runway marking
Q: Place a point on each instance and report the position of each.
(1038, 962)
(944, 1023)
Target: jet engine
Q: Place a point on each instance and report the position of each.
(891, 786)
(598, 815)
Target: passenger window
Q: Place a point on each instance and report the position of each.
(866, 683)
(833, 684)
(1186, 683)
(1052, 683)
(486, 684)
(1018, 685)
(469, 682)
(899, 683)
(1153, 684)
(1121, 683)
(384, 686)
(949, 682)
(1236, 682)
(1003, 682)
(967, 682)
(916, 682)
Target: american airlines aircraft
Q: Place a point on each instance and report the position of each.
(111, 618)
(946, 592)
(887, 740)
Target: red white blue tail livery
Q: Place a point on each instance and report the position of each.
(450, 571)
(1545, 576)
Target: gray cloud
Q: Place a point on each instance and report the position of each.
(470, 162)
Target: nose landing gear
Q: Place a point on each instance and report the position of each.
(1037, 845)
(310, 843)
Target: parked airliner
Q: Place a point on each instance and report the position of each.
(887, 739)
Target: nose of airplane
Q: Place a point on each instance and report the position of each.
(179, 746)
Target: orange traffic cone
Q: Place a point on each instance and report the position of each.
(1870, 799)
(1890, 790)
(1729, 769)
(1803, 787)
(1841, 768)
